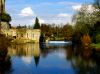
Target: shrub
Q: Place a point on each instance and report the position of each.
(5, 17)
(86, 40)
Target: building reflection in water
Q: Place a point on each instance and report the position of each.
(26, 51)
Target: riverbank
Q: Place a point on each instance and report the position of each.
(96, 46)
(21, 41)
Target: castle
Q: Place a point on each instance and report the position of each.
(22, 35)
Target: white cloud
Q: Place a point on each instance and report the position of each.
(27, 60)
(67, 3)
(41, 21)
(77, 7)
(63, 15)
(27, 12)
(61, 18)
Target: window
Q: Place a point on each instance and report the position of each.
(33, 35)
(27, 35)
(21, 35)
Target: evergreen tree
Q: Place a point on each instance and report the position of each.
(37, 24)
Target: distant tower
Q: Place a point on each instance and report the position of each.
(2, 6)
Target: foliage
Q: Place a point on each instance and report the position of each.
(5, 17)
(88, 22)
(37, 24)
(57, 32)
(85, 19)
(98, 38)
(86, 40)
(67, 31)
(46, 29)
(96, 45)
(19, 27)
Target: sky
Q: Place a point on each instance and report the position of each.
(24, 12)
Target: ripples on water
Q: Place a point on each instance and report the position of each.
(50, 59)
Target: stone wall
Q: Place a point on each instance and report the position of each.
(29, 34)
(5, 25)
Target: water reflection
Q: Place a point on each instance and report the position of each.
(26, 51)
(83, 62)
(51, 59)
(5, 62)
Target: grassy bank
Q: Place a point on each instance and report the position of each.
(96, 45)
(21, 41)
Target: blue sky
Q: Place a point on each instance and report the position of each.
(48, 11)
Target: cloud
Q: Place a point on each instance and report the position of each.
(41, 21)
(67, 3)
(27, 60)
(27, 12)
(61, 18)
(63, 15)
(77, 7)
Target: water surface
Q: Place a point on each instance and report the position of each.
(48, 59)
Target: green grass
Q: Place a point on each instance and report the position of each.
(21, 41)
(96, 45)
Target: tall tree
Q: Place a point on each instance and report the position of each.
(86, 18)
(37, 24)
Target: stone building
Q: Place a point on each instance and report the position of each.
(26, 35)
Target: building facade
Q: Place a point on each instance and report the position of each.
(26, 35)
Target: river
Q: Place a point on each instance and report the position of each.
(49, 59)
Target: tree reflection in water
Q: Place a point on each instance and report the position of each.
(84, 61)
(36, 58)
